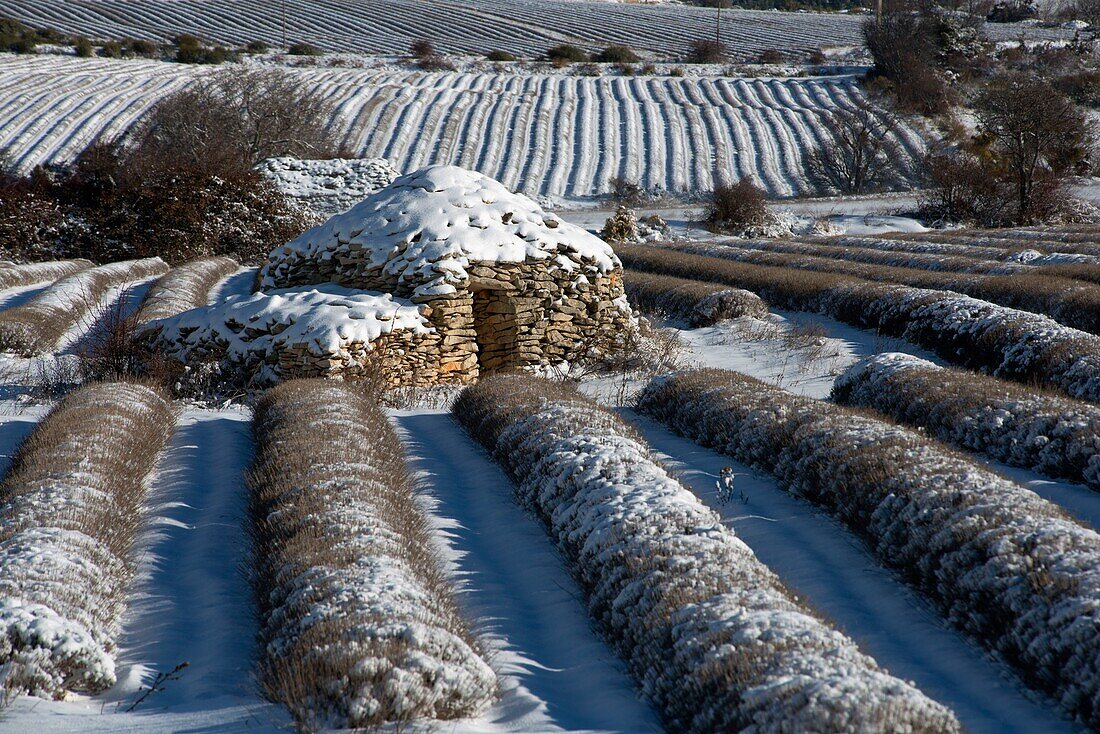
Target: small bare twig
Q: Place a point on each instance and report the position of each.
(158, 684)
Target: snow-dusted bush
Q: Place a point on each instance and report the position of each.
(621, 227)
(16, 276)
(38, 325)
(1003, 341)
(358, 625)
(1069, 302)
(1053, 435)
(699, 304)
(917, 260)
(185, 287)
(70, 508)
(714, 639)
(1002, 564)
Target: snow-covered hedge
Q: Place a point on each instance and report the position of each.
(70, 508)
(1006, 342)
(15, 276)
(38, 325)
(1004, 565)
(1070, 302)
(357, 623)
(185, 287)
(1053, 435)
(699, 304)
(714, 639)
(943, 262)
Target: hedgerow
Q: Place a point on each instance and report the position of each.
(185, 287)
(1002, 564)
(1017, 425)
(70, 509)
(713, 638)
(14, 275)
(699, 304)
(1006, 342)
(39, 324)
(358, 625)
(1069, 302)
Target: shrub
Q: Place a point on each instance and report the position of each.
(19, 276)
(699, 304)
(647, 69)
(1023, 287)
(587, 69)
(302, 48)
(617, 55)
(621, 227)
(1005, 342)
(708, 52)
(500, 56)
(670, 586)
(860, 153)
(421, 48)
(110, 50)
(1036, 136)
(37, 326)
(566, 54)
(83, 48)
(1017, 425)
(358, 624)
(435, 63)
(627, 192)
(257, 47)
(770, 56)
(1003, 565)
(737, 208)
(70, 508)
(227, 122)
(139, 47)
(185, 287)
(903, 45)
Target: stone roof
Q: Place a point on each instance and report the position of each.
(428, 226)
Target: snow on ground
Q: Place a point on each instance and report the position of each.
(13, 297)
(819, 558)
(191, 602)
(801, 352)
(557, 673)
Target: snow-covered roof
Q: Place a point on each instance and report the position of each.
(429, 225)
(323, 318)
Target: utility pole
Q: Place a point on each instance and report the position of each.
(718, 29)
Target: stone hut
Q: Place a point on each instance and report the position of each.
(500, 283)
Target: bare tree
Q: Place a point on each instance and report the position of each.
(236, 118)
(862, 152)
(1035, 135)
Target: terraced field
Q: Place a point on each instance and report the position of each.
(519, 26)
(542, 134)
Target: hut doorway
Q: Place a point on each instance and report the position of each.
(495, 324)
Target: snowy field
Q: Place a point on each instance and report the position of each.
(546, 135)
(191, 601)
(521, 27)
